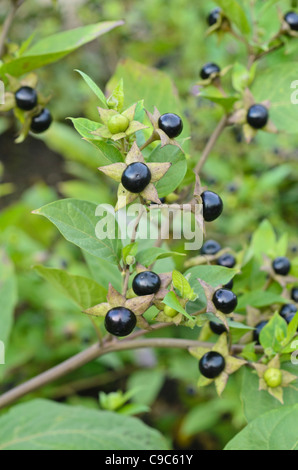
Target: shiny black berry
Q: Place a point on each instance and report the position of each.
(26, 98)
(136, 177)
(281, 266)
(120, 321)
(212, 205)
(217, 328)
(146, 283)
(212, 365)
(214, 16)
(257, 116)
(208, 70)
(292, 19)
(210, 247)
(294, 294)
(257, 331)
(171, 124)
(225, 300)
(288, 309)
(229, 285)
(42, 122)
(227, 260)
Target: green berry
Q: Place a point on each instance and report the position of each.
(273, 377)
(118, 123)
(170, 312)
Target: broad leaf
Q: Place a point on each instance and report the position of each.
(45, 425)
(77, 221)
(275, 430)
(83, 291)
(55, 47)
(175, 174)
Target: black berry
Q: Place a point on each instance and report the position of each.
(225, 300)
(294, 294)
(208, 70)
(281, 266)
(214, 16)
(287, 309)
(120, 321)
(26, 98)
(136, 177)
(146, 283)
(257, 331)
(292, 19)
(227, 260)
(257, 116)
(217, 328)
(171, 124)
(212, 205)
(210, 247)
(212, 365)
(42, 122)
(290, 317)
(229, 285)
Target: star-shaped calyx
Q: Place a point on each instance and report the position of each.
(136, 177)
(159, 134)
(241, 116)
(273, 379)
(117, 126)
(231, 363)
(138, 305)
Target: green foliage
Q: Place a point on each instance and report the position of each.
(41, 424)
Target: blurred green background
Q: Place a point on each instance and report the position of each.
(256, 182)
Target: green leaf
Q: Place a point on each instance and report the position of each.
(235, 13)
(147, 383)
(103, 273)
(240, 77)
(150, 255)
(84, 127)
(263, 241)
(257, 402)
(180, 283)
(8, 296)
(273, 334)
(77, 222)
(172, 301)
(175, 174)
(259, 299)
(274, 85)
(275, 430)
(214, 95)
(205, 416)
(212, 275)
(54, 48)
(45, 425)
(109, 153)
(83, 291)
(96, 90)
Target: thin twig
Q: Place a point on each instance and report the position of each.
(210, 144)
(94, 352)
(15, 5)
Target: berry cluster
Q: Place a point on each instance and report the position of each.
(27, 100)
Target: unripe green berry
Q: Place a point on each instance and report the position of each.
(118, 123)
(170, 312)
(130, 260)
(273, 377)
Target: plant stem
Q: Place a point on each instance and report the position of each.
(210, 144)
(15, 5)
(94, 352)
